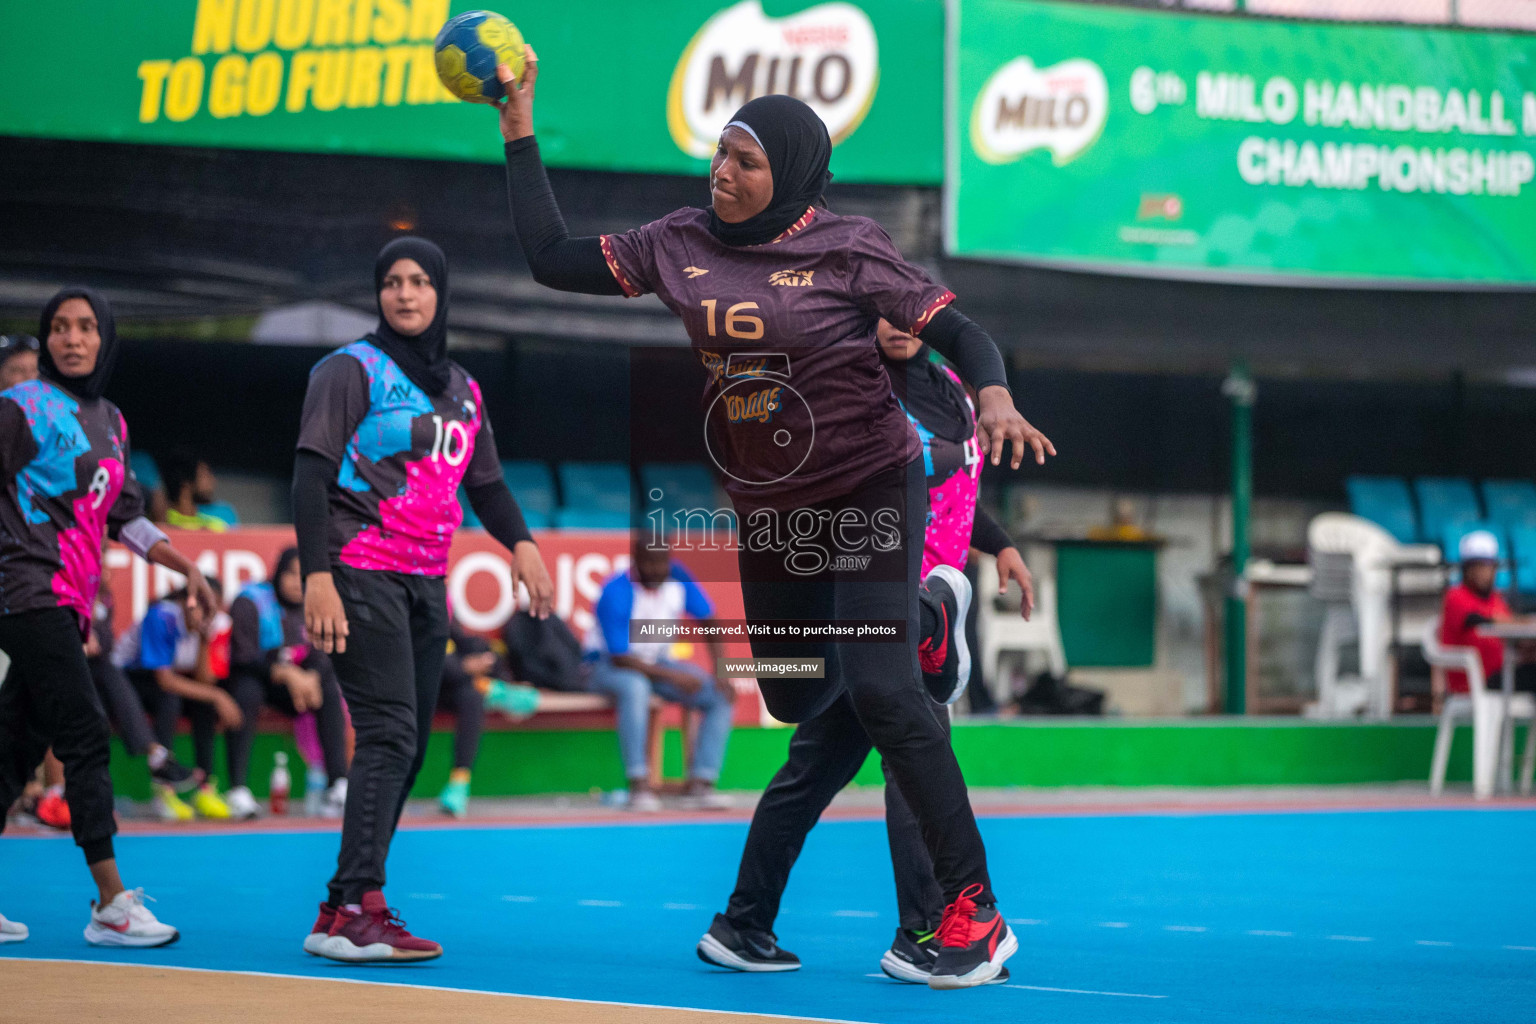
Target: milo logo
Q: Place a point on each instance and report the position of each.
(826, 55)
(1060, 108)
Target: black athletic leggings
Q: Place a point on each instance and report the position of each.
(48, 700)
(390, 673)
(873, 692)
(167, 709)
(123, 705)
(253, 688)
(464, 699)
(825, 754)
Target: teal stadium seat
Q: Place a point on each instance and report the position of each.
(1522, 545)
(594, 495)
(683, 486)
(533, 485)
(1510, 503)
(1444, 502)
(595, 485)
(1385, 501)
(470, 519)
(144, 469)
(590, 519)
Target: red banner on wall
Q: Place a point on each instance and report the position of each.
(479, 576)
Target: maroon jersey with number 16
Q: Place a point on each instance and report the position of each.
(799, 404)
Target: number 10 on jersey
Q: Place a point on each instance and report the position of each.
(450, 440)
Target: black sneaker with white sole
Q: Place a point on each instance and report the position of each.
(171, 772)
(944, 656)
(912, 956)
(744, 949)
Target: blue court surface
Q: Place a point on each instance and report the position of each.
(1405, 915)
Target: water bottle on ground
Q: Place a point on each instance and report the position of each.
(314, 789)
(280, 783)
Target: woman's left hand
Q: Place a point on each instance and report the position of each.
(528, 567)
(1011, 567)
(999, 423)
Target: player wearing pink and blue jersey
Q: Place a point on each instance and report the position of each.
(67, 487)
(391, 428)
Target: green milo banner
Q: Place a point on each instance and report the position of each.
(1201, 146)
(623, 85)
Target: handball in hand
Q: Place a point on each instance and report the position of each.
(469, 47)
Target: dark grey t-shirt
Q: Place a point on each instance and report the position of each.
(800, 407)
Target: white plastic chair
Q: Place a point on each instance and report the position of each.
(1484, 708)
(1350, 557)
(1001, 632)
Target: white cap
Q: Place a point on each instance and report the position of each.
(1479, 545)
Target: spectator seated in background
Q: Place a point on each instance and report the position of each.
(1472, 603)
(18, 360)
(189, 484)
(126, 709)
(471, 685)
(167, 656)
(272, 664)
(654, 587)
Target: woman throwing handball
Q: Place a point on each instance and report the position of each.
(781, 297)
(391, 427)
(822, 761)
(64, 453)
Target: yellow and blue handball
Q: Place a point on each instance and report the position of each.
(468, 49)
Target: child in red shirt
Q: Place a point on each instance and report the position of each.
(1472, 603)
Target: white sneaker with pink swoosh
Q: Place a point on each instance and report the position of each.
(12, 931)
(126, 921)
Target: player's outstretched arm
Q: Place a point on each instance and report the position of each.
(960, 340)
(556, 259)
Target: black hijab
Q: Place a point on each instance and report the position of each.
(287, 556)
(930, 395)
(423, 358)
(94, 383)
(798, 150)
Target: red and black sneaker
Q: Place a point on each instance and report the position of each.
(944, 656)
(374, 935)
(53, 809)
(321, 930)
(973, 943)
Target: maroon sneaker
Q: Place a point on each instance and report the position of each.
(374, 935)
(321, 931)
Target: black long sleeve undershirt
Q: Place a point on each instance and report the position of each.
(556, 259)
(499, 513)
(988, 536)
(312, 476)
(963, 342)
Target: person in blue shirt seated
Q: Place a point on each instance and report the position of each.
(165, 655)
(655, 587)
